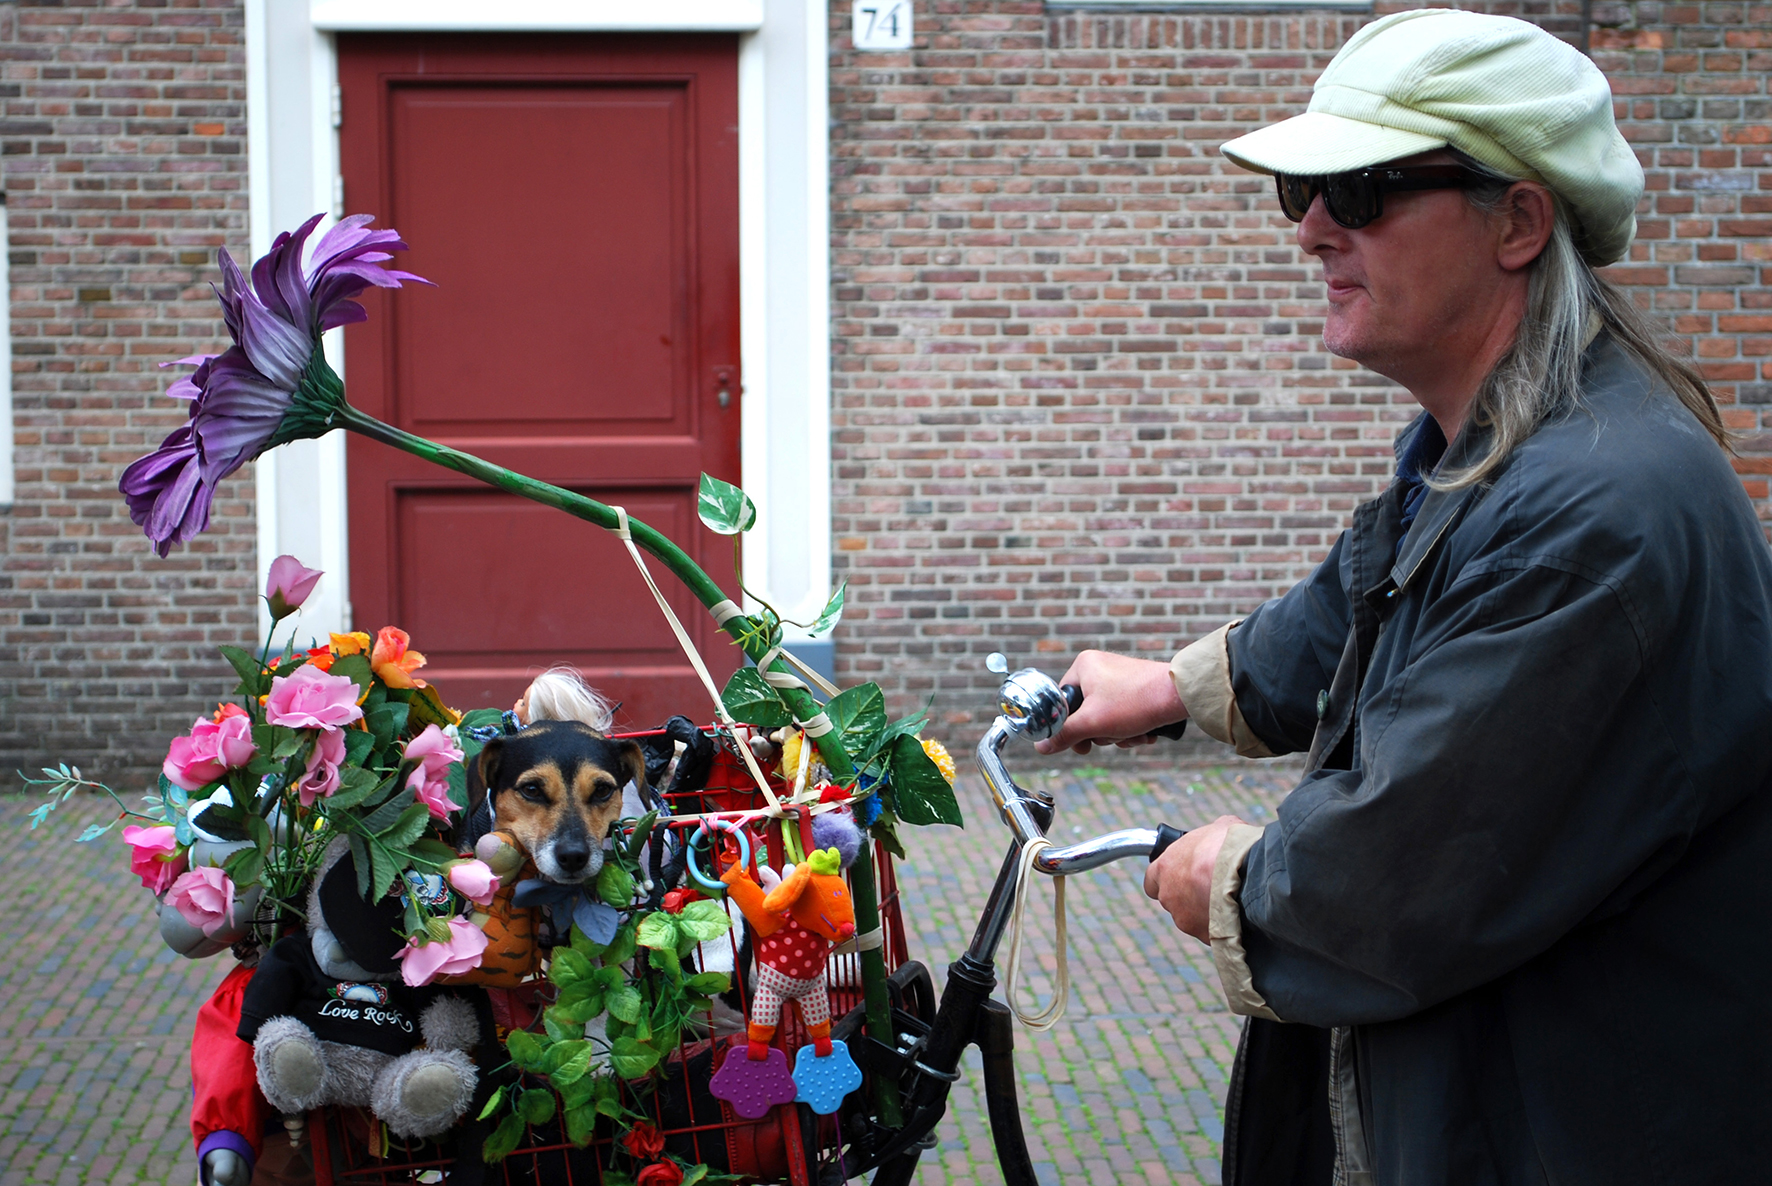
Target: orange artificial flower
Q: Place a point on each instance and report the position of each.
(224, 711)
(393, 662)
(321, 658)
(356, 643)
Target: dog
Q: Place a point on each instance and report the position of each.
(556, 786)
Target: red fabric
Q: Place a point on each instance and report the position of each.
(224, 1084)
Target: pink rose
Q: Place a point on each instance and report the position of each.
(309, 698)
(154, 856)
(205, 898)
(434, 753)
(213, 748)
(474, 880)
(420, 963)
(321, 778)
(288, 585)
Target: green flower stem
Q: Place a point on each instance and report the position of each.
(743, 629)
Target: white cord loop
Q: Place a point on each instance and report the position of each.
(1061, 993)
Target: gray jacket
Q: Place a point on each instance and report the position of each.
(1518, 913)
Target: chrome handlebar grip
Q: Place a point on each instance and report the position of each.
(1096, 852)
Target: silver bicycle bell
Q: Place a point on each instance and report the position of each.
(1029, 699)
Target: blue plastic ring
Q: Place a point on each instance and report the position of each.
(711, 884)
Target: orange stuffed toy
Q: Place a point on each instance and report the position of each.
(797, 924)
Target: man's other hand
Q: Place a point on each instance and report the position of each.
(1124, 699)
(1181, 879)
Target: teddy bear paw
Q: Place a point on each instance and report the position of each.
(424, 1093)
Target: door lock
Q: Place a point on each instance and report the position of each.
(725, 379)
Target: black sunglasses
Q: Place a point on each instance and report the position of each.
(1355, 198)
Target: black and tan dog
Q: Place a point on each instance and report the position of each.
(556, 787)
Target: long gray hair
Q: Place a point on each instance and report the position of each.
(1539, 378)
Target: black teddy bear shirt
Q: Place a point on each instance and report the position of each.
(373, 1014)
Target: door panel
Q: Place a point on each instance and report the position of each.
(575, 200)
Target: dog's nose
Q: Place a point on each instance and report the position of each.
(572, 857)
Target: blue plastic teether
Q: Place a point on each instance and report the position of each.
(823, 1082)
(714, 885)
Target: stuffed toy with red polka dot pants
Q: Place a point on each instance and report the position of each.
(797, 923)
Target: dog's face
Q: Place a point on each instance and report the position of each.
(556, 786)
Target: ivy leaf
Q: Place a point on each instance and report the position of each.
(920, 794)
(625, 1003)
(656, 930)
(524, 1049)
(615, 885)
(498, 1097)
(753, 702)
(568, 967)
(536, 1106)
(724, 508)
(504, 1139)
(581, 1127)
(709, 983)
(707, 922)
(833, 610)
(632, 1059)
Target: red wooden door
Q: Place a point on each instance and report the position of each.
(575, 199)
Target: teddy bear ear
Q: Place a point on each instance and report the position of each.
(368, 931)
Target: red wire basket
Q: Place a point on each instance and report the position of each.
(788, 1144)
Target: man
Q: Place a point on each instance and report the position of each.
(1515, 923)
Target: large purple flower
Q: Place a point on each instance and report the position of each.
(273, 384)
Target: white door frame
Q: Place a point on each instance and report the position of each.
(784, 255)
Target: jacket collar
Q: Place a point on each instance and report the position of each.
(1442, 508)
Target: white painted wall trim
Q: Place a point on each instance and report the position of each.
(599, 16)
(784, 218)
(7, 489)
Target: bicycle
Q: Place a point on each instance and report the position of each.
(933, 1035)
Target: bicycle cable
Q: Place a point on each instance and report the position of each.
(1047, 1018)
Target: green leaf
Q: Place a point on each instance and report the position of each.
(703, 920)
(833, 610)
(245, 867)
(355, 784)
(642, 833)
(434, 851)
(611, 1107)
(246, 666)
(665, 958)
(386, 721)
(631, 1059)
(625, 1003)
(579, 1093)
(536, 1106)
(525, 1050)
(354, 668)
(286, 743)
(920, 794)
(859, 715)
(693, 1174)
(615, 885)
(259, 832)
(572, 1069)
(360, 860)
(559, 1029)
(579, 1003)
(498, 1097)
(358, 744)
(94, 831)
(657, 929)
(567, 966)
(581, 1128)
(724, 508)
(408, 828)
(621, 948)
(885, 830)
(504, 1139)
(754, 702)
(385, 816)
(709, 983)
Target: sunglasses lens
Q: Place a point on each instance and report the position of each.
(1295, 195)
(1352, 199)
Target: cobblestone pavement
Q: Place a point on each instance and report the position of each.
(96, 1027)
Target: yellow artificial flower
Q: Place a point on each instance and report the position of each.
(938, 753)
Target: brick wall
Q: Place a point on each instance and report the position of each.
(123, 156)
(1080, 400)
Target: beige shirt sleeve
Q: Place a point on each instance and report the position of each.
(1202, 674)
(1225, 924)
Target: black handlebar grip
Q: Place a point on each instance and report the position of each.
(1166, 836)
(1073, 698)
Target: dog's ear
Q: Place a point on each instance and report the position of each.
(483, 773)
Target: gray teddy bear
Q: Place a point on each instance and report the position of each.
(331, 1022)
